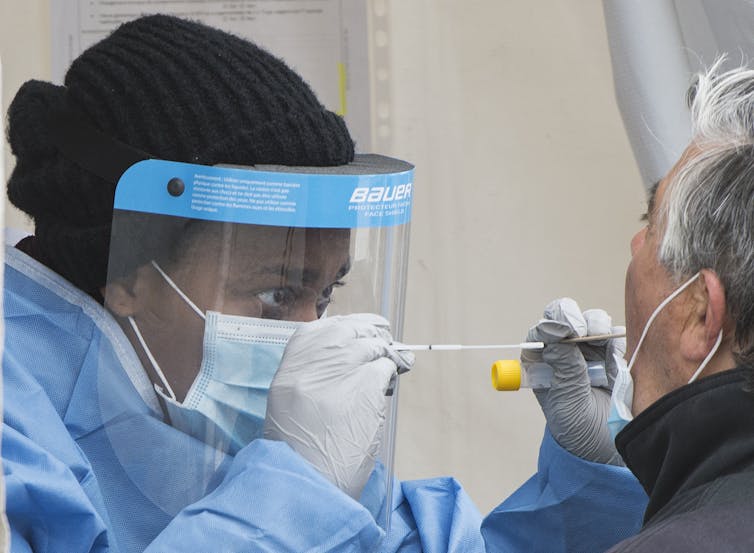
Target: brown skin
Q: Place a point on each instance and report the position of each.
(685, 331)
(263, 272)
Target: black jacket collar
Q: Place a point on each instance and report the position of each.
(690, 437)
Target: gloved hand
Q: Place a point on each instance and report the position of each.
(576, 412)
(327, 399)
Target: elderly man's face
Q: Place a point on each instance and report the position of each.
(647, 284)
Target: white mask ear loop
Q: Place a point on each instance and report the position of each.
(709, 356)
(143, 343)
(655, 313)
(152, 360)
(174, 286)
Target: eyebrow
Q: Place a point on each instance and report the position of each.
(295, 274)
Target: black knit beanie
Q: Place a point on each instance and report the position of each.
(177, 90)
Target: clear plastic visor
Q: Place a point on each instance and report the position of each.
(211, 270)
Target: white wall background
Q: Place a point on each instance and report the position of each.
(526, 190)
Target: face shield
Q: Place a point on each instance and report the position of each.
(211, 270)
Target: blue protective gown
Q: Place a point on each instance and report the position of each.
(90, 466)
(569, 506)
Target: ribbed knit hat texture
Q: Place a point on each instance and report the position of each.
(177, 90)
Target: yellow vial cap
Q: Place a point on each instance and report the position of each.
(506, 375)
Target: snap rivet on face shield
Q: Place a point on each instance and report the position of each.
(176, 186)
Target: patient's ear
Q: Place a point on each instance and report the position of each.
(707, 316)
(119, 296)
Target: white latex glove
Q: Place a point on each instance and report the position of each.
(327, 399)
(576, 412)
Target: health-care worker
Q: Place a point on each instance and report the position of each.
(141, 340)
(174, 379)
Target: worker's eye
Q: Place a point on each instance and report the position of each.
(278, 297)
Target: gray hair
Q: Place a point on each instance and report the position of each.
(708, 207)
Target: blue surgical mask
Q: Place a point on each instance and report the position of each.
(622, 397)
(226, 404)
